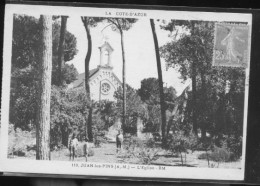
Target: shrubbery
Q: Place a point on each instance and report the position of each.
(180, 143)
(218, 155)
(91, 152)
(99, 138)
(230, 150)
(20, 141)
(80, 150)
(233, 145)
(145, 151)
(68, 113)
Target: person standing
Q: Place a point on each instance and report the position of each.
(85, 148)
(73, 146)
(119, 140)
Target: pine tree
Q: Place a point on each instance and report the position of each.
(44, 90)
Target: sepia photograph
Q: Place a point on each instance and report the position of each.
(126, 90)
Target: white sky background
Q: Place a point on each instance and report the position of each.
(139, 51)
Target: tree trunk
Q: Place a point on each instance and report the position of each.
(65, 137)
(124, 79)
(87, 59)
(162, 103)
(203, 131)
(194, 99)
(87, 88)
(181, 160)
(61, 47)
(170, 122)
(44, 91)
(89, 126)
(207, 157)
(203, 96)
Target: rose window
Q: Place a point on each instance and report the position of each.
(105, 87)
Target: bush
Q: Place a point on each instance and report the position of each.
(147, 155)
(234, 145)
(99, 139)
(144, 151)
(20, 141)
(132, 142)
(180, 143)
(218, 155)
(90, 152)
(150, 143)
(80, 150)
(157, 136)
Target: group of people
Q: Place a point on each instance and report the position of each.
(74, 145)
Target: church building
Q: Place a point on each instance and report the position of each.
(102, 80)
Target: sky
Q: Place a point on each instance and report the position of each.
(139, 51)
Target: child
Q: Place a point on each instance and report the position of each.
(85, 147)
(73, 146)
(119, 141)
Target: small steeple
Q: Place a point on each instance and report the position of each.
(105, 55)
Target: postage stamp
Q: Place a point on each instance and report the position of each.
(231, 45)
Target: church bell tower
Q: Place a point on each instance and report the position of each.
(105, 55)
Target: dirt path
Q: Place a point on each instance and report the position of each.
(106, 153)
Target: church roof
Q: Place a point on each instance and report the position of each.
(81, 77)
(106, 44)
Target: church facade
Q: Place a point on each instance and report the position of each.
(103, 83)
(102, 80)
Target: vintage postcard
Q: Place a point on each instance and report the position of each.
(131, 93)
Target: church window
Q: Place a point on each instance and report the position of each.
(105, 88)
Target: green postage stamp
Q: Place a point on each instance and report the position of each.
(231, 45)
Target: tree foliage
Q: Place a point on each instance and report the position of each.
(121, 24)
(134, 108)
(149, 91)
(68, 114)
(68, 72)
(25, 57)
(149, 94)
(219, 90)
